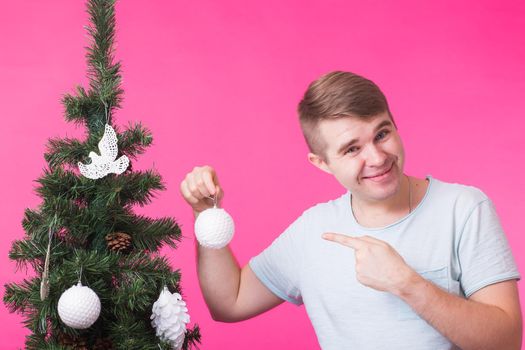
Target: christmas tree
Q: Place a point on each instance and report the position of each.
(85, 228)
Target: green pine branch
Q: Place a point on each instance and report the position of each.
(155, 233)
(104, 75)
(60, 181)
(64, 151)
(133, 188)
(126, 189)
(16, 296)
(134, 140)
(78, 107)
(94, 107)
(81, 212)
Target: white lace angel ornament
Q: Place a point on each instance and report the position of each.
(107, 161)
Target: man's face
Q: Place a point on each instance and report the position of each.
(365, 155)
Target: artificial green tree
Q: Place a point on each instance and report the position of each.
(92, 224)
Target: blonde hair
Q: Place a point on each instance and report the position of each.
(335, 95)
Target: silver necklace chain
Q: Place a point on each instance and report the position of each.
(409, 195)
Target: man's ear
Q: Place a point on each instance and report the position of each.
(318, 162)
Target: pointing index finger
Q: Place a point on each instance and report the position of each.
(352, 242)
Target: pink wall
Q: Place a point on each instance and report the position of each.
(218, 83)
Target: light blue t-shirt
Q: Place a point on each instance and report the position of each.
(452, 238)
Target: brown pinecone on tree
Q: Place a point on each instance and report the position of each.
(118, 241)
(69, 342)
(103, 344)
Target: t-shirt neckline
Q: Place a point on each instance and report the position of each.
(416, 209)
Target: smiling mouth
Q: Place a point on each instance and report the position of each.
(383, 173)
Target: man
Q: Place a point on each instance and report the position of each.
(397, 262)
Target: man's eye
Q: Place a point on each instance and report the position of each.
(383, 133)
(351, 150)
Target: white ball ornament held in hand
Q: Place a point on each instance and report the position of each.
(79, 307)
(214, 228)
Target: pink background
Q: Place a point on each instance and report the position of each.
(218, 82)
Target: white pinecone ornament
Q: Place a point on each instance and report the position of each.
(169, 317)
(79, 307)
(214, 228)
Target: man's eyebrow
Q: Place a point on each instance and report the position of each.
(351, 142)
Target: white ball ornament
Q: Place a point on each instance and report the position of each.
(79, 307)
(214, 228)
(169, 317)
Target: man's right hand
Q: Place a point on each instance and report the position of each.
(231, 293)
(198, 186)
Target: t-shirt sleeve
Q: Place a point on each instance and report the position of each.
(484, 253)
(278, 266)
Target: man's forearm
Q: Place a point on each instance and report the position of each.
(219, 276)
(467, 323)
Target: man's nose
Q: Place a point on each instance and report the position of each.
(375, 156)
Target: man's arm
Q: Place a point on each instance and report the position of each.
(489, 319)
(231, 294)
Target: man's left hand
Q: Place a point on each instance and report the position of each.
(377, 264)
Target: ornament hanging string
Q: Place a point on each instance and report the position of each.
(214, 199)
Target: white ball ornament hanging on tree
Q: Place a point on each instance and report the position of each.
(214, 228)
(169, 318)
(79, 307)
